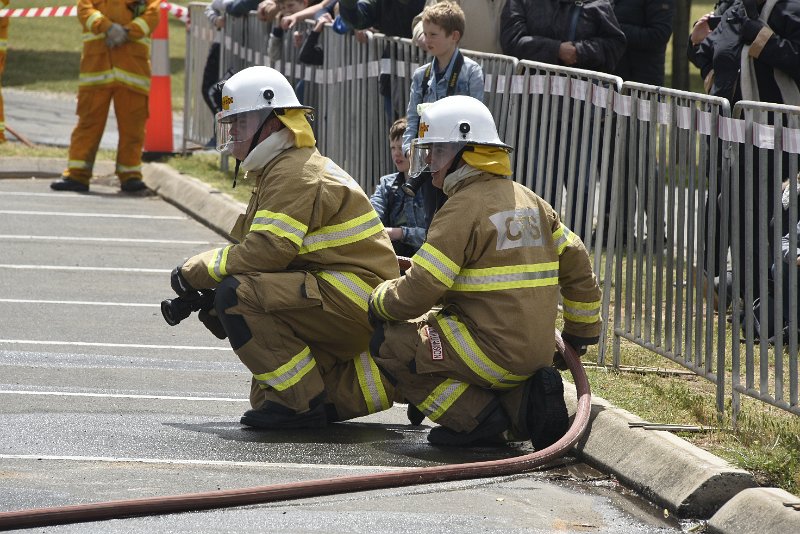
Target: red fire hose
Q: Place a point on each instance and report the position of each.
(39, 517)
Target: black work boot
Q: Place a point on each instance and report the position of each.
(68, 184)
(491, 425)
(273, 416)
(133, 185)
(415, 416)
(544, 408)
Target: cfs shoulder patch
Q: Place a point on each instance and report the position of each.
(518, 228)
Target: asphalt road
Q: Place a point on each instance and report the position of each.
(101, 400)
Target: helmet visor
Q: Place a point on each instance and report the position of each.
(239, 128)
(431, 157)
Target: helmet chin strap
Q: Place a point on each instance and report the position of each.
(253, 143)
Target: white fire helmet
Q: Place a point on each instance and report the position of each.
(248, 97)
(447, 126)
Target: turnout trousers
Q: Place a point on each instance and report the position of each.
(304, 343)
(438, 382)
(131, 110)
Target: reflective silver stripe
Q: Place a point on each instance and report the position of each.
(510, 277)
(350, 285)
(474, 357)
(289, 374)
(442, 398)
(371, 387)
(312, 241)
(159, 62)
(278, 223)
(426, 254)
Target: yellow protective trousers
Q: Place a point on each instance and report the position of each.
(303, 341)
(437, 381)
(131, 109)
(3, 47)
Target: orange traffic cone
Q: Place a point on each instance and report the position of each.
(158, 130)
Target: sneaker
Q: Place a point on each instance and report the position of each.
(546, 412)
(68, 184)
(273, 416)
(132, 185)
(415, 416)
(491, 427)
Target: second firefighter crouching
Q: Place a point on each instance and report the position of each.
(497, 258)
(292, 294)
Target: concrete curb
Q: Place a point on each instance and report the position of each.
(670, 471)
(666, 469)
(775, 512)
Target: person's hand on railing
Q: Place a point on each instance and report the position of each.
(568, 54)
(267, 10)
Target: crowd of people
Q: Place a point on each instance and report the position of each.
(311, 295)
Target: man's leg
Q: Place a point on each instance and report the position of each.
(131, 108)
(467, 413)
(92, 114)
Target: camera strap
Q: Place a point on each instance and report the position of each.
(451, 84)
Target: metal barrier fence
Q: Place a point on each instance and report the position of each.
(668, 152)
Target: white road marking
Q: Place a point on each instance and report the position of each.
(199, 462)
(79, 268)
(114, 345)
(106, 215)
(118, 396)
(110, 239)
(80, 303)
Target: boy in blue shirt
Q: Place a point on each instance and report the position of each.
(450, 73)
(401, 214)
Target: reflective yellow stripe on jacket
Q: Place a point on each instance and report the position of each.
(350, 285)
(377, 300)
(369, 379)
(563, 237)
(507, 277)
(442, 398)
(341, 234)
(280, 224)
(471, 354)
(217, 268)
(437, 263)
(582, 312)
(289, 373)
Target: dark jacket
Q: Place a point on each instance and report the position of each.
(390, 17)
(534, 29)
(718, 56)
(240, 8)
(647, 25)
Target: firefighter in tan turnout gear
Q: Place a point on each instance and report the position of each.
(496, 258)
(115, 65)
(3, 49)
(292, 294)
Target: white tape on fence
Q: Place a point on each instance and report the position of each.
(179, 12)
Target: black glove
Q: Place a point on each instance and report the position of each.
(750, 8)
(750, 30)
(179, 284)
(211, 321)
(579, 343)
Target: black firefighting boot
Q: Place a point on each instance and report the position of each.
(543, 408)
(68, 184)
(273, 416)
(132, 185)
(493, 422)
(415, 416)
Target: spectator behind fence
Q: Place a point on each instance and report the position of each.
(791, 260)
(215, 12)
(752, 53)
(392, 18)
(581, 35)
(401, 214)
(275, 44)
(647, 25)
(484, 15)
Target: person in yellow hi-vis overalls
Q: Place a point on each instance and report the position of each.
(291, 295)
(115, 65)
(3, 48)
